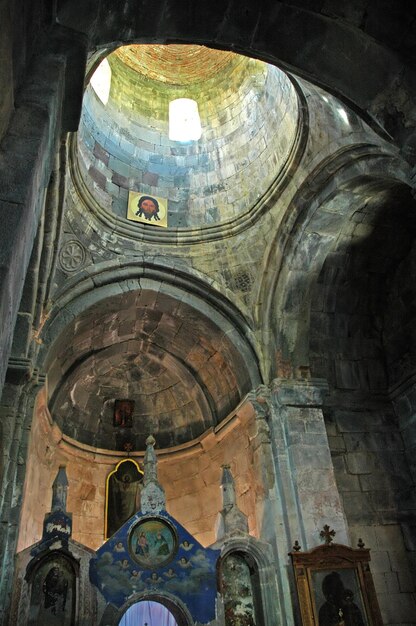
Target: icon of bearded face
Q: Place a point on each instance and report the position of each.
(149, 208)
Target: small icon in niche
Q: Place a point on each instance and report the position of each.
(55, 590)
(123, 413)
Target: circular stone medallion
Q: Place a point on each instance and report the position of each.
(72, 256)
(153, 543)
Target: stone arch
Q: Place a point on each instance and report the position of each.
(112, 616)
(115, 281)
(205, 352)
(320, 218)
(356, 270)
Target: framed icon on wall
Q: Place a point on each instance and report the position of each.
(147, 209)
(335, 586)
(123, 413)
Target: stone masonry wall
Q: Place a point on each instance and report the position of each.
(372, 474)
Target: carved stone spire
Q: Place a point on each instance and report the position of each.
(60, 490)
(227, 488)
(150, 461)
(153, 496)
(230, 519)
(57, 524)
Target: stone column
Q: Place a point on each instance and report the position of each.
(16, 409)
(305, 475)
(271, 515)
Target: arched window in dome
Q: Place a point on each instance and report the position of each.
(101, 81)
(184, 120)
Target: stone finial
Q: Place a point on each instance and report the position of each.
(150, 461)
(57, 524)
(153, 498)
(60, 490)
(227, 488)
(230, 519)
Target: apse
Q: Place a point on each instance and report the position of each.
(173, 370)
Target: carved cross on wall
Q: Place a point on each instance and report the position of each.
(327, 534)
(128, 447)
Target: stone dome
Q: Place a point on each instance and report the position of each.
(249, 116)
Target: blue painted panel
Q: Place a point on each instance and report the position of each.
(190, 575)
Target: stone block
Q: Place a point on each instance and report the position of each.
(380, 562)
(347, 482)
(409, 535)
(349, 421)
(398, 560)
(120, 167)
(389, 537)
(376, 481)
(379, 583)
(120, 181)
(388, 441)
(360, 462)
(385, 503)
(338, 462)
(101, 154)
(402, 406)
(98, 177)
(397, 608)
(309, 456)
(317, 425)
(406, 582)
(366, 533)
(392, 582)
(409, 433)
(336, 444)
(357, 507)
(347, 374)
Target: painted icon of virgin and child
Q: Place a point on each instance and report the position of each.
(339, 608)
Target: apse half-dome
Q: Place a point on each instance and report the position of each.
(184, 370)
(248, 113)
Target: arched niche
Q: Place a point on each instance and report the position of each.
(122, 495)
(240, 589)
(52, 582)
(322, 220)
(254, 557)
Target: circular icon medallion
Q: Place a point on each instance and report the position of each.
(153, 542)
